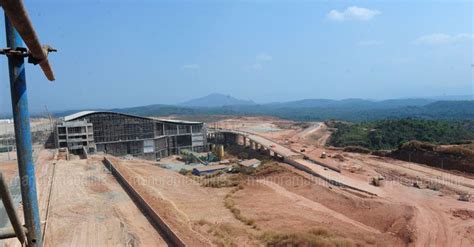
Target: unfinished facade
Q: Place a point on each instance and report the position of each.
(75, 136)
(121, 134)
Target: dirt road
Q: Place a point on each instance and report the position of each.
(317, 134)
(89, 208)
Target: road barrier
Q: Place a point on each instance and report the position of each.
(317, 162)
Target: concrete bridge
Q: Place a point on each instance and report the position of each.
(255, 142)
(330, 174)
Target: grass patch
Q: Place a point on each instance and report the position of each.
(184, 172)
(218, 180)
(230, 204)
(267, 169)
(223, 233)
(356, 149)
(219, 183)
(460, 151)
(213, 175)
(314, 237)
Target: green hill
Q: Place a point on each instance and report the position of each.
(389, 134)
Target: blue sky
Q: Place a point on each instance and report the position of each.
(130, 53)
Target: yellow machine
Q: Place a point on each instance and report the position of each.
(219, 151)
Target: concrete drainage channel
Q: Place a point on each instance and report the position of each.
(163, 229)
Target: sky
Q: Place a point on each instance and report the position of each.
(131, 53)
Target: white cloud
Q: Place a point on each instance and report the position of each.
(264, 57)
(260, 60)
(191, 66)
(257, 66)
(353, 13)
(443, 39)
(369, 43)
(335, 15)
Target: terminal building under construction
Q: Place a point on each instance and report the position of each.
(121, 134)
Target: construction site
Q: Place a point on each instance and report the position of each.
(104, 178)
(255, 187)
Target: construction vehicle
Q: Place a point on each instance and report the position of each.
(323, 155)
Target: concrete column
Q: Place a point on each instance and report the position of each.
(244, 140)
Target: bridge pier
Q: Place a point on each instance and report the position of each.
(237, 139)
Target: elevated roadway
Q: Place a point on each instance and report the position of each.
(298, 160)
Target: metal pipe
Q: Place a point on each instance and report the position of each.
(21, 118)
(16, 12)
(11, 210)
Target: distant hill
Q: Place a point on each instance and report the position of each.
(446, 110)
(352, 103)
(454, 97)
(157, 110)
(356, 110)
(308, 103)
(221, 100)
(216, 100)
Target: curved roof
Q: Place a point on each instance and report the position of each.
(77, 115)
(87, 113)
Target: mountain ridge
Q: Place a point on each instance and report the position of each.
(442, 110)
(215, 100)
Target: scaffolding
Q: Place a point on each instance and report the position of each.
(19, 28)
(123, 134)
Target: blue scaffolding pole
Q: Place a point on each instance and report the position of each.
(18, 27)
(21, 118)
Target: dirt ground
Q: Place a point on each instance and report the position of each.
(9, 170)
(287, 200)
(279, 130)
(82, 204)
(432, 213)
(180, 201)
(198, 212)
(85, 206)
(89, 208)
(36, 124)
(299, 205)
